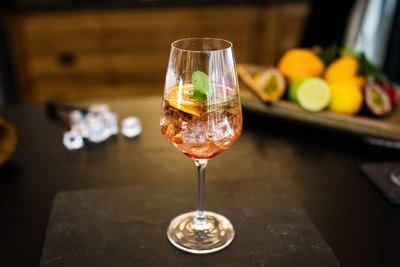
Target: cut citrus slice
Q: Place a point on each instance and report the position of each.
(187, 109)
(313, 94)
(294, 88)
(181, 97)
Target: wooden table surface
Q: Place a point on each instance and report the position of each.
(360, 226)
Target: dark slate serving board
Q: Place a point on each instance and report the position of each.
(379, 175)
(127, 227)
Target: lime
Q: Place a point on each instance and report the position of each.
(294, 87)
(312, 94)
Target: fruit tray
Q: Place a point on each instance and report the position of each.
(375, 129)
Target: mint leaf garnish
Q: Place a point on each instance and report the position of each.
(200, 96)
(200, 83)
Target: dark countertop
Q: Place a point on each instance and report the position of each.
(31, 5)
(359, 225)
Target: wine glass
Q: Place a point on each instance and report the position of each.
(201, 116)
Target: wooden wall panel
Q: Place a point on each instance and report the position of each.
(84, 54)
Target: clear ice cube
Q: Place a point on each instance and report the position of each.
(97, 125)
(99, 108)
(111, 121)
(131, 127)
(73, 140)
(220, 129)
(76, 117)
(97, 128)
(194, 132)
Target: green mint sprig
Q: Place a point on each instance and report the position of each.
(200, 83)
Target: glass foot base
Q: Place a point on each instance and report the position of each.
(207, 236)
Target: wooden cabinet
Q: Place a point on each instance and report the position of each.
(94, 54)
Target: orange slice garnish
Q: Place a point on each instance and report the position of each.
(181, 97)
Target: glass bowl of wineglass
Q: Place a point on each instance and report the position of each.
(201, 116)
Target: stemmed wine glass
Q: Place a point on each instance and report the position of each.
(201, 116)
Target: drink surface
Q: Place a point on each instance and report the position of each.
(201, 130)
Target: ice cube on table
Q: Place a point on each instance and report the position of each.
(97, 125)
(76, 117)
(99, 108)
(131, 127)
(73, 140)
(82, 128)
(97, 128)
(78, 123)
(111, 121)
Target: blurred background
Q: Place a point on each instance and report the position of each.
(73, 50)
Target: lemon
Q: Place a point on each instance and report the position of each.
(181, 97)
(346, 98)
(312, 94)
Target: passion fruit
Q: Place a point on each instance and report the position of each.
(377, 100)
(391, 90)
(272, 83)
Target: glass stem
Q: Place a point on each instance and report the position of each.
(200, 218)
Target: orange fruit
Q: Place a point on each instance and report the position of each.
(300, 63)
(344, 70)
